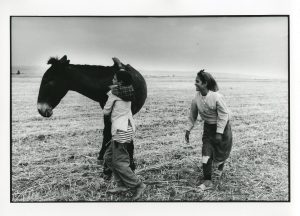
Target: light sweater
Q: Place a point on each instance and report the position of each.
(120, 113)
(212, 110)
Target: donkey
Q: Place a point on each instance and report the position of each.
(92, 81)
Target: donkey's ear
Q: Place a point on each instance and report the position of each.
(63, 59)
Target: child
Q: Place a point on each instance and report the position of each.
(125, 93)
(217, 136)
(116, 155)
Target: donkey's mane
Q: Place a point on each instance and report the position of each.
(53, 60)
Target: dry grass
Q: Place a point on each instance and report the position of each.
(55, 159)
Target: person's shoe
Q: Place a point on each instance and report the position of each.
(118, 189)
(139, 191)
(206, 185)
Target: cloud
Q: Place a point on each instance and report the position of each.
(240, 44)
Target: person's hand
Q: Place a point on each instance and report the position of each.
(117, 61)
(218, 138)
(187, 136)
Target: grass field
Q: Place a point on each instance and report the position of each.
(55, 159)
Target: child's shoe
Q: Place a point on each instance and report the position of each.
(206, 185)
(118, 189)
(139, 191)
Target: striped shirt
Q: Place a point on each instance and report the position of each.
(124, 136)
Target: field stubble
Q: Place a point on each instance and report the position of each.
(55, 159)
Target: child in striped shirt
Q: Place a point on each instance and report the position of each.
(118, 107)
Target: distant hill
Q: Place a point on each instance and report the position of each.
(38, 71)
(33, 71)
(217, 75)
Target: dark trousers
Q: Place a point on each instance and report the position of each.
(207, 168)
(215, 151)
(117, 159)
(107, 138)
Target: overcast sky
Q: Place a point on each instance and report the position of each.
(244, 45)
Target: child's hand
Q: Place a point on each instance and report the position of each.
(117, 61)
(218, 138)
(187, 136)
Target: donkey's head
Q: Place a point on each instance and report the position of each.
(53, 86)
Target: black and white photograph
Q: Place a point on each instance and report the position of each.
(152, 107)
(149, 108)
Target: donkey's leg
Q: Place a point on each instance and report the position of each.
(130, 150)
(106, 137)
(105, 143)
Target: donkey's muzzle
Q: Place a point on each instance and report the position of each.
(44, 109)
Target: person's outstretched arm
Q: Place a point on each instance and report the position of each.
(192, 119)
(223, 114)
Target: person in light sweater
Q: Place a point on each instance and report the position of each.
(217, 135)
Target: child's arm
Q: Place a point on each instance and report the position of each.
(117, 61)
(223, 115)
(192, 119)
(193, 115)
(126, 93)
(109, 104)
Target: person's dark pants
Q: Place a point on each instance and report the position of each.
(117, 159)
(107, 137)
(207, 169)
(213, 151)
(130, 150)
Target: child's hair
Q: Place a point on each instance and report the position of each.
(208, 78)
(124, 77)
